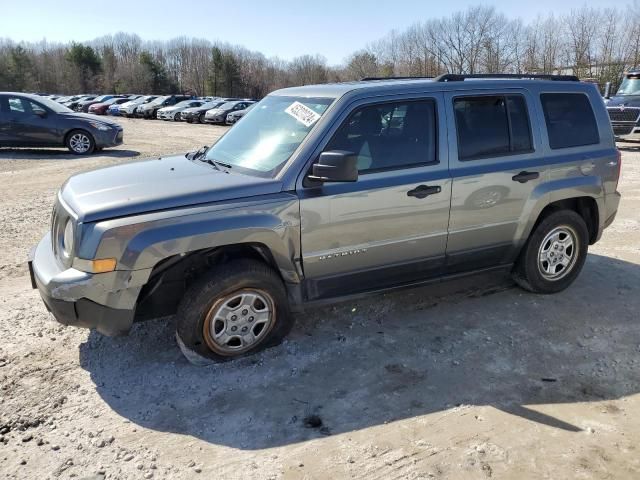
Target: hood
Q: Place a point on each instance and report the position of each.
(626, 100)
(168, 109)
(160, 184)
(192, 110)
(88, 116)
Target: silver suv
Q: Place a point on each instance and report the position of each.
(332, 191)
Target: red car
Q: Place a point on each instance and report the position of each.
(101, 108)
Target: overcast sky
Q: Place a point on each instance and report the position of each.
(283, 28)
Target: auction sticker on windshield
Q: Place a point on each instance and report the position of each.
(302, 113)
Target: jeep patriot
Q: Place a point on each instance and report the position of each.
(326, 192)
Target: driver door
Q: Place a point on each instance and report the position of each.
(390, 226)
(30, 124)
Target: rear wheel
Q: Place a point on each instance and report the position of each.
(201, 118)
(80, 142)
(235, 310)
(554, 254)
(177, 116)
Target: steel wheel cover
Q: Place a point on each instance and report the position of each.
(239, 321)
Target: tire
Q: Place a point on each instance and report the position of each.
(201, 118)
(547, 264)
(80, 142)
(220, 305)
(177, 116)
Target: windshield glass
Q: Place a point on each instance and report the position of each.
(212, 105)
(184, 103)
(269, 133)
(227, 106)
(630, 86)
(53, 105)
(158, 100)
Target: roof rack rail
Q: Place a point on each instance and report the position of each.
(369, 79)
(456, 77)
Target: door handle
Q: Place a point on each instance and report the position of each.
(423, 191)
(524, 177)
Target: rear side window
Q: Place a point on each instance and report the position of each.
(491, 126)
(570, 120)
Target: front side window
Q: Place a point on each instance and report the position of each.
(269, 134)
(491, 126)
(17, 106)
(389, 135)
(570, 120)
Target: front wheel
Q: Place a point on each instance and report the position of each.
(554, 254)
(80, 142)
(236, 309)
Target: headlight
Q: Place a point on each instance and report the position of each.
(67, 239)
(100, 126)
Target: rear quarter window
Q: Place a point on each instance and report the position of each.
(570, 120)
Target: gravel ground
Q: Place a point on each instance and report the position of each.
(464, 380)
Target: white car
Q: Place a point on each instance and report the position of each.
(128, 109)
(173, 112)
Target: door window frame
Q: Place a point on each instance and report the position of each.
(459, 167)
(442, 151)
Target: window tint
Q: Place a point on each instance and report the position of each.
(16, 105)
(491, 126)
(389, 135)
(570, 120)
(35, 108)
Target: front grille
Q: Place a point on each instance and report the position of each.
(623, 114)
(622, 129)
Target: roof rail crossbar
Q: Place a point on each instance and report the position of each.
(456, 77)
(369, 79)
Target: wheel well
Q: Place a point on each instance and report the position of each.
(171, 277)
(586, 207)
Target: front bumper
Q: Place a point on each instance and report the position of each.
(105, 301)
(109, 138)
(215, 119)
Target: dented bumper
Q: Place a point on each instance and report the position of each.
(103, 301)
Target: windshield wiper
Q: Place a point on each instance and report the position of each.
(217, 163)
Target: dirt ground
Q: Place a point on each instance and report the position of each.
(465, 380)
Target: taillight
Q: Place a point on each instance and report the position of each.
(619, 157)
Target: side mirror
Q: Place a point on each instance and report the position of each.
(335, 166)
(40, 113)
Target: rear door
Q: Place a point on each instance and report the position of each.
(497, 165)
(390, 226)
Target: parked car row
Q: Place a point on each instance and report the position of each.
(215, 110)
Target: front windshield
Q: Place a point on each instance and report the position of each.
(630, 86)
(158, 101)
(211, 105)
(228, 106)
(269, 133)
(185, 103)
(53, 105)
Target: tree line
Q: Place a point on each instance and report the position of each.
(598, 44)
